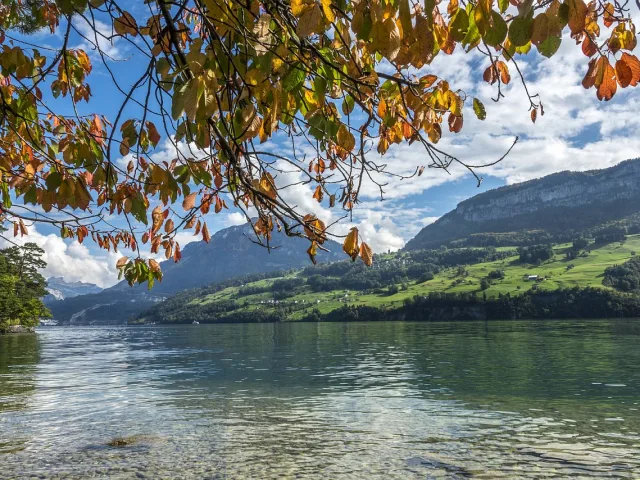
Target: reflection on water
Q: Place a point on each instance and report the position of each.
(380, 400)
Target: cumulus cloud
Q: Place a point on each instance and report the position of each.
(70, 259)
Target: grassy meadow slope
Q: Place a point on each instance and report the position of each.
(257, 297)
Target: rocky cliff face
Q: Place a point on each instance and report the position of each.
(564, 200)
(561, 190)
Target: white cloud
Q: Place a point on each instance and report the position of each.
(98, 35)
(71, 260)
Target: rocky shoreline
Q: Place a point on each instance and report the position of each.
(11, 329)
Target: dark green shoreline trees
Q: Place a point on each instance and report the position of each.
(21, 286)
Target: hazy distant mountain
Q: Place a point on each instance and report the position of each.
(230, 253)
(59, 289)
(562, 202)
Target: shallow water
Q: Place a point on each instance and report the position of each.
(378, 400)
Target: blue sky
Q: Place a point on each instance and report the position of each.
(577, 133)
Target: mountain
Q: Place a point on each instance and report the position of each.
(59, 289)
(232, 252)
(561, 203)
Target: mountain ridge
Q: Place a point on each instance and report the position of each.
(230, 253)
(554, 203)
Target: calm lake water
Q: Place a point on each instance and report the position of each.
(331, 401)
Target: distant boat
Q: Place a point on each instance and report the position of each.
(195, 322)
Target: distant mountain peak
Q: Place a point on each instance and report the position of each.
(230, 253)
(60, 289)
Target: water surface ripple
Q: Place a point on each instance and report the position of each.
(538, 399)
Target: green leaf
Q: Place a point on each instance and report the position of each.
(459, 25)
(348, 104)
(31, 196)
(503, 5)
(294, 78)
(472, 38)
(550, 46)
(53, 181)
(519, 31)
(479, 109)
(496, 34)
(320, 87)
(177, 105)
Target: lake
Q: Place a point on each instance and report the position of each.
(329, 400)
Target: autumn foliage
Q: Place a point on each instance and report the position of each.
(333, 79)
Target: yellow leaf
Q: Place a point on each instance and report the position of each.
(310, 21)
(350, 245)
(191, 98)
(312, 251)
(345, 138)
(297, 7)
(328, 13)
(125, 24)
(386, 38)
(268, 185)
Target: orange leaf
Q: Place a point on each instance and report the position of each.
(318, 194)
(168, 227)
(577, 15)
(634, 64)
(189, 201)
(122, 262)
(588, 47)
(534, 115)
(605, 79)
(589, 79)
(504, 72)
(205, 233)
(154, 266)
(23, 229)
(366, 254)
(623, 73)
(157, 217)
(177, 255)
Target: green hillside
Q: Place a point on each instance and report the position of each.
(296, 295)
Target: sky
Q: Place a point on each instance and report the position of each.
(577, 132)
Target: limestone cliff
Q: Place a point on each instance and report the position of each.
(562, 201)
